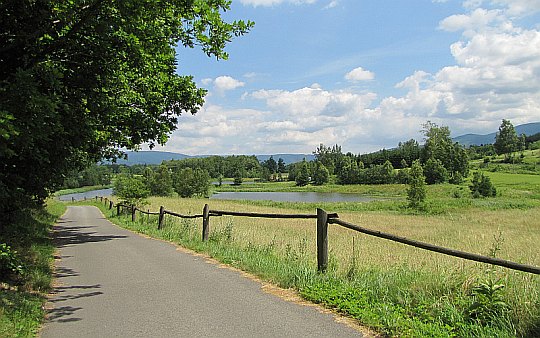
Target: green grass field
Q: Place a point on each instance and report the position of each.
(392, 288)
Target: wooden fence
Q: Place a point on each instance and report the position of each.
(323, 219)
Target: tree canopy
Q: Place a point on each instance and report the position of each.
(506, 140)
(80, 79)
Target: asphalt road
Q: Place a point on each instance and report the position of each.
(114, 283)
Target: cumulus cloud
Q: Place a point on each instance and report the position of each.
(359, 74)
(496, 75)
(224, 83)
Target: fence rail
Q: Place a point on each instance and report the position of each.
(323, 219)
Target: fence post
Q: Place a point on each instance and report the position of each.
(161, 214)
(118, 210)
(101, 197)
(133, 213)
(110, 205)
(322, 240)
(205, 223)
(72, 199)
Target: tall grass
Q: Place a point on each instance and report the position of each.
(22, 297)
(395, 289)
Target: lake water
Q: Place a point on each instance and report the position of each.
(252, 196)
(292, 196)
(89, 194)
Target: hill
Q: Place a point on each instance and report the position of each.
(475, 139)
(156, 157)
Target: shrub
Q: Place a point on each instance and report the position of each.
(10, 263)
(416, 192)
(481, 186)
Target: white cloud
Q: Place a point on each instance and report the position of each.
(224, 83)
(359, 74)
(478, 20)
(332, 4)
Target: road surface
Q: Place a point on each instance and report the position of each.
(111, 282)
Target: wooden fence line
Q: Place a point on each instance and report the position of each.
(323, 219)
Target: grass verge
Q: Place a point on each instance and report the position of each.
(22, 294)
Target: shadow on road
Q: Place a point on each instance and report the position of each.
(66, 294)
(68, 235)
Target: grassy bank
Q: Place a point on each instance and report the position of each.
(390, 287)
(22, 294)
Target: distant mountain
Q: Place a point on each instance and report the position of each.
(156, 157)
(475, 139)
(149, 157)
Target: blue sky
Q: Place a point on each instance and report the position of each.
(364, 74)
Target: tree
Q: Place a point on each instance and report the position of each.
(81, 79)
(238, 178)
(271, 165)
(416, 192)
(506, 140)
(320, 174)
(189, 182)
(131, 189)
(281, 166)
(435, 172)
(159, 182)
(302, 176)
(439, 145)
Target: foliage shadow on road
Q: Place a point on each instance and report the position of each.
(67, 236)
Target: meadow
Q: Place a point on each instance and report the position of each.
(392, 288)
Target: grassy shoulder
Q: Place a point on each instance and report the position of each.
(23, 294)
(396, 290)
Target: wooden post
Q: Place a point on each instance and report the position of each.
(72, 199)
(205, 223)
(101, 197)
(110, 205)
(118, 210)
(161, 215)
(322, 240)
(133, 213)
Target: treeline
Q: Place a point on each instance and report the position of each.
(442, 160)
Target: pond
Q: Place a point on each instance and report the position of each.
(89, 194)
(293, 196)
(252, 196)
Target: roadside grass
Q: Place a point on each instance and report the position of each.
(395, 289)
(22, 296)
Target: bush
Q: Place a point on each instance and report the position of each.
(481, 186)
(10, 263)
(416, 192)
